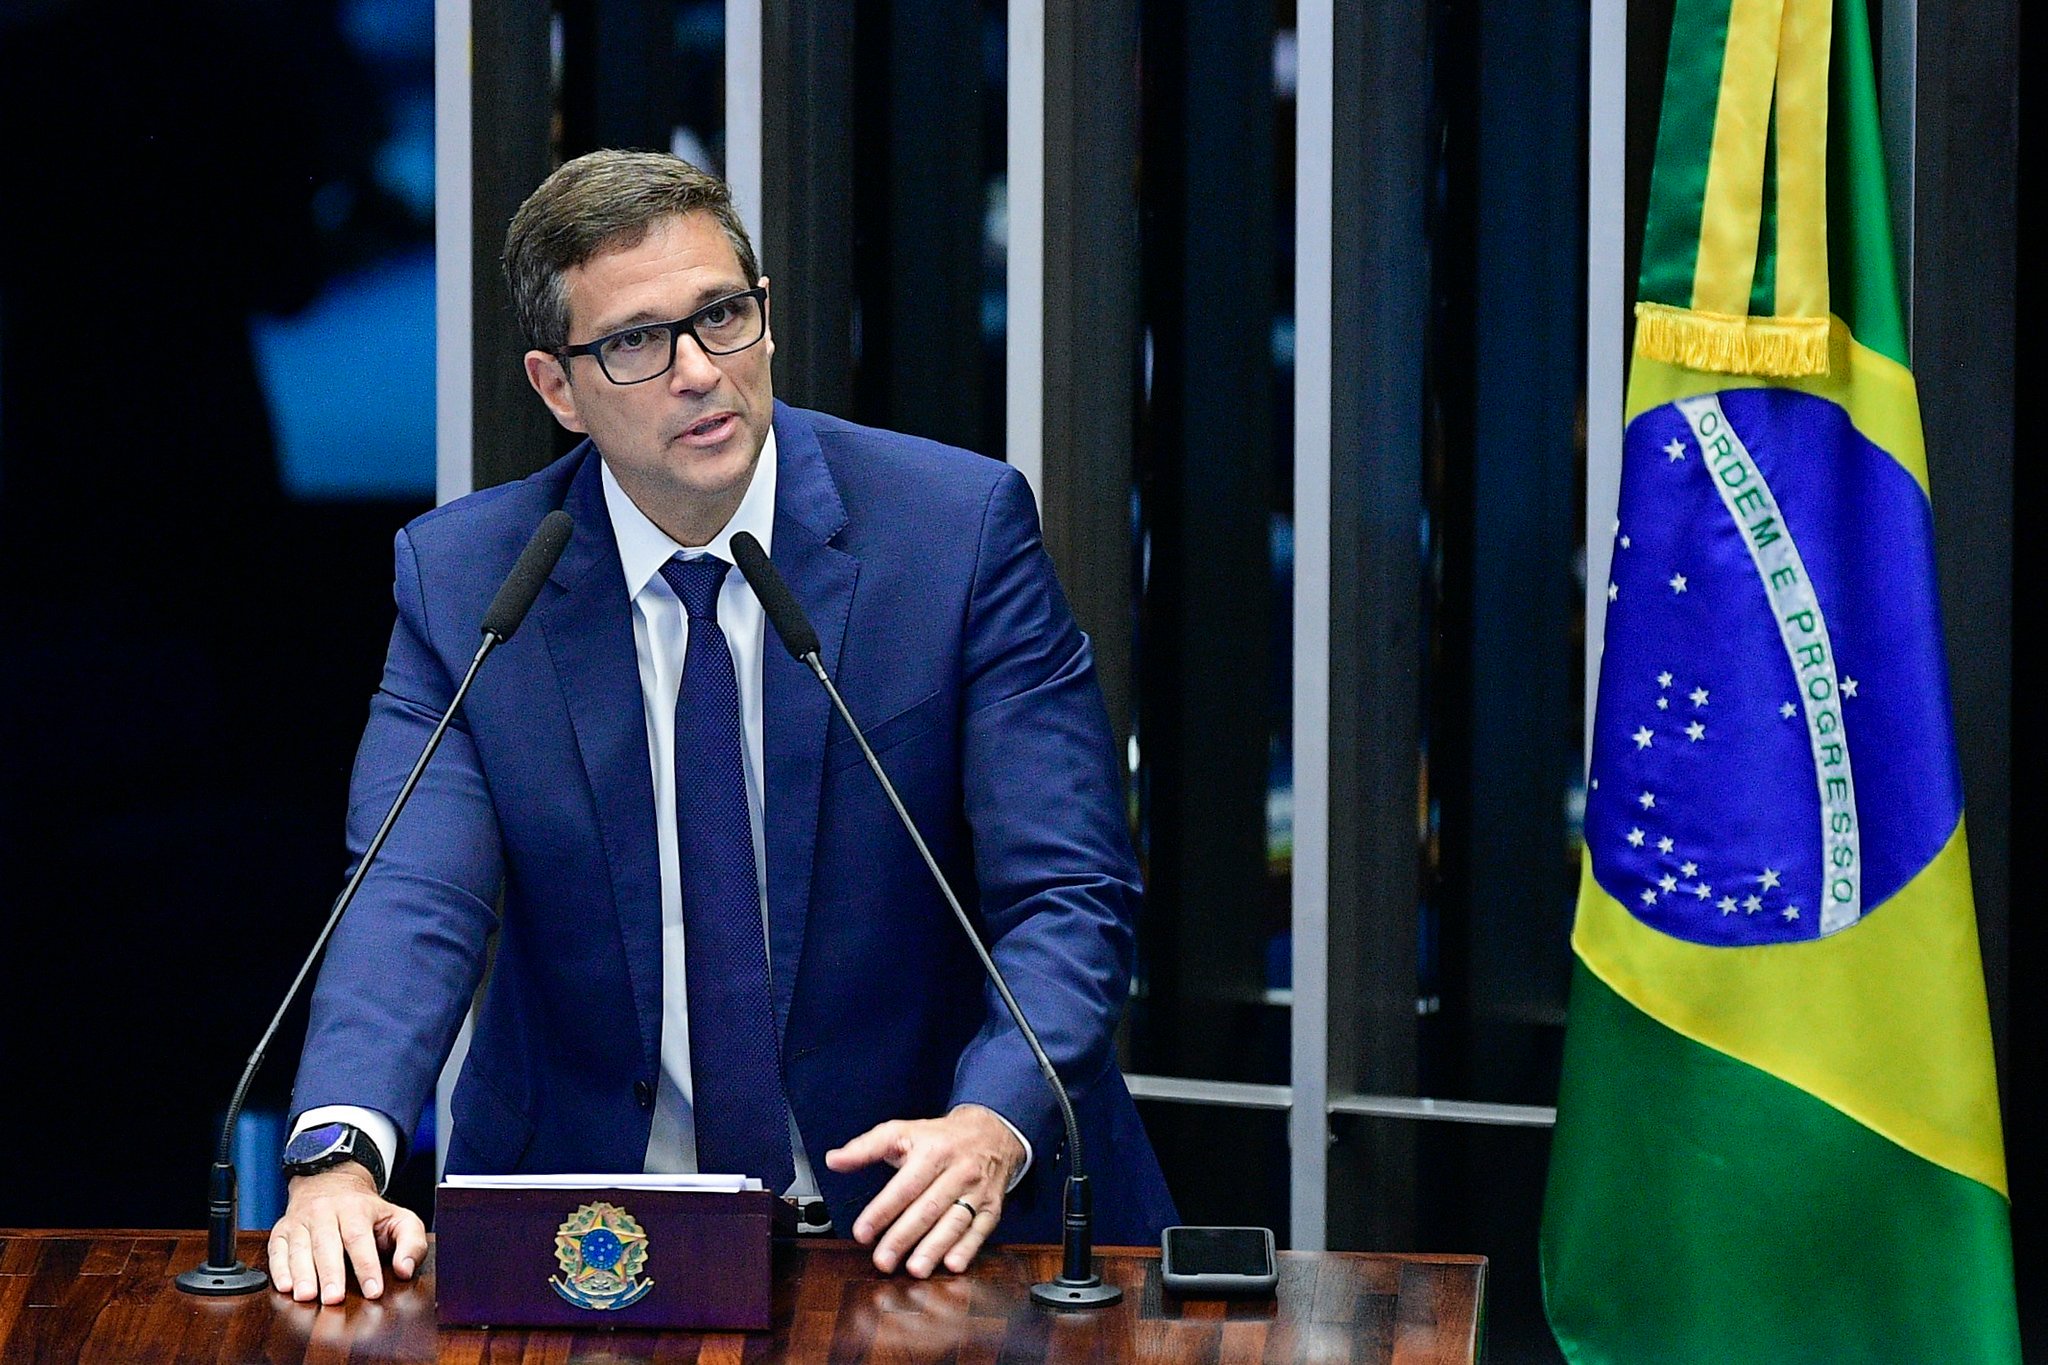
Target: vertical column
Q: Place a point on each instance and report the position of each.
(511, 110)
(1513, 880)
(1898, 79)
(1083, 140)
(1024, 276)
(1607, 302)
(743, 19)
(1964, 333)
(1380, 177)
(1308, 1121)
(920, 207)
(618, 71)
(803, 103)
(453, 341)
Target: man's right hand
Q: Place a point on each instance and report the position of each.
(337, 1220)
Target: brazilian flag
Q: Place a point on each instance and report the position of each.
(1778, 1132)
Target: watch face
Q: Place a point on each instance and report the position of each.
(314, 1143)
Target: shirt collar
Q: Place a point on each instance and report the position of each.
(645, 547)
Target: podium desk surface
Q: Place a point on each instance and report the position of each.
(108, 1296)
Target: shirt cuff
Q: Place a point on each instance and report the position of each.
(380, 1130)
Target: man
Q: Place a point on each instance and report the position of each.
(717, 949)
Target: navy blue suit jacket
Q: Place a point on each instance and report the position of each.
(942, 622)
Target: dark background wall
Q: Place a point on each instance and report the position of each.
(215, 356)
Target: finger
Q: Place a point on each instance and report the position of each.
(969, 1246)
(279, 1255)
(327, 1257)
(953, 1224)
(923, 1210)
(883, 1142)
(914, 1175)
(359, 1240)
(402, 1232)
(305, 1285)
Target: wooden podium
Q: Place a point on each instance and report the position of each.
(107, 1296)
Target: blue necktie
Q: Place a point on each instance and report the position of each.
(742, 1118)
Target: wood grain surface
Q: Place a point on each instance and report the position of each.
(99, 1296)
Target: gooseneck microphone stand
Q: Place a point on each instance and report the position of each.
(1078, 1285)
(223, 1272)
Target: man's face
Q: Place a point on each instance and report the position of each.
(682, 445)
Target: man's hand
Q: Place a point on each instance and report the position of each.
(335, 1220)
(969, 1155)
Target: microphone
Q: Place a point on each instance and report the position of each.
(1077, 1286)
(223, 1272)
(515, 598)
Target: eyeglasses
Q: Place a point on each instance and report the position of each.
(634, 355)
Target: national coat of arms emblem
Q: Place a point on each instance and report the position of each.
(601, 1250)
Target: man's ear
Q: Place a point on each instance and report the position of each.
(549, 376)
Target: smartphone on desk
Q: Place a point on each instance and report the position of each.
(1198, 1261)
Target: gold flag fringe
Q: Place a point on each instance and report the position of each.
(1782, 348)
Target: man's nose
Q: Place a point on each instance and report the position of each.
(694, 370)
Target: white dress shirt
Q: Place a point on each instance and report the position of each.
(661, 633)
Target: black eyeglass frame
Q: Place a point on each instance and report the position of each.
(594, 349)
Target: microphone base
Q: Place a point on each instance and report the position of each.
(1066, 1293)
(219, 1281)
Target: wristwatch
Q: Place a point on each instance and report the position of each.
(327, 1145)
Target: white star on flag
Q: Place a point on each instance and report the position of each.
(1668, 882)
(1848, 687)
(1752, 905)
(1769, 879)
(1727, 904)
(1678, 582)
(1788, 710)
(1647, 801)
(1699, 696)
(1626, 542)
(1663, 703)
(1695, 732)
(1791, 912)
(1664, 845)
(1676, 450)
(1635, 838)
(1703, 891)
(1642, 737)
(1613, 591)
(1664, 679)
(1649, 896)
(1689, 868)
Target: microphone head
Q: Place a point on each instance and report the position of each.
(776, 600)
(522, 585)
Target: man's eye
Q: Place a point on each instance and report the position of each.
(625, 343)
(717, 315)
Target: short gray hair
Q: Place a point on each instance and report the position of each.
(603, 201)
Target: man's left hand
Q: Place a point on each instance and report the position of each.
(947, 1194)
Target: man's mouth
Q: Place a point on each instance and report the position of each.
(711, 430)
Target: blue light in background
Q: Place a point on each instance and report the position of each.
(350, 381)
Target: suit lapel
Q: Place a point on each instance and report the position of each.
(589, 629)
(795, 709)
